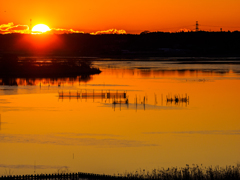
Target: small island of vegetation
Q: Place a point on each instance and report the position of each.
(13, 66)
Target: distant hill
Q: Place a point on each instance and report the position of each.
(155, 44)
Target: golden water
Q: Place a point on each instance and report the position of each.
(42, 133)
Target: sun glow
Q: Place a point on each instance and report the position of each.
(40, 28)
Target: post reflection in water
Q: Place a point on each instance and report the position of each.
(123, 119)
(0, 123)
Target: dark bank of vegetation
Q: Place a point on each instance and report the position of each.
(147, 44)
(12, 66)
(174, 173)
(189, 173)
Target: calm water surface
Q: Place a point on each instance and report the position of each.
(41, 132)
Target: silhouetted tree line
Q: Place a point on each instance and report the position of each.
(126, 45)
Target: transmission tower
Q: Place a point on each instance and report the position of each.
(197, 26)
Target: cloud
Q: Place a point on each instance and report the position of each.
(184, 30)
(63, 31)
(71, 31)
(24, 29)
(207, 132)
(11, 28)
(110, 31)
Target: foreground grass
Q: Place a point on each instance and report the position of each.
(174, 173)
(189, 173)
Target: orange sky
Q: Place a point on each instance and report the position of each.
(133, 16)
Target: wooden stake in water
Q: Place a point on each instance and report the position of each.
(156, 99)
(120, 103)
(69, 95)
(144, 103)
(162, 100)
(136, 102)
(34, 167)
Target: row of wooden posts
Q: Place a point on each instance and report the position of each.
(117, 97)
(93, 94)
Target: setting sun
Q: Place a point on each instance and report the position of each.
(40, 28)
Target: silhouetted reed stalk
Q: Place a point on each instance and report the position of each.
(189, 173)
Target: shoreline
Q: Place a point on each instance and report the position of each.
(141, 58)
